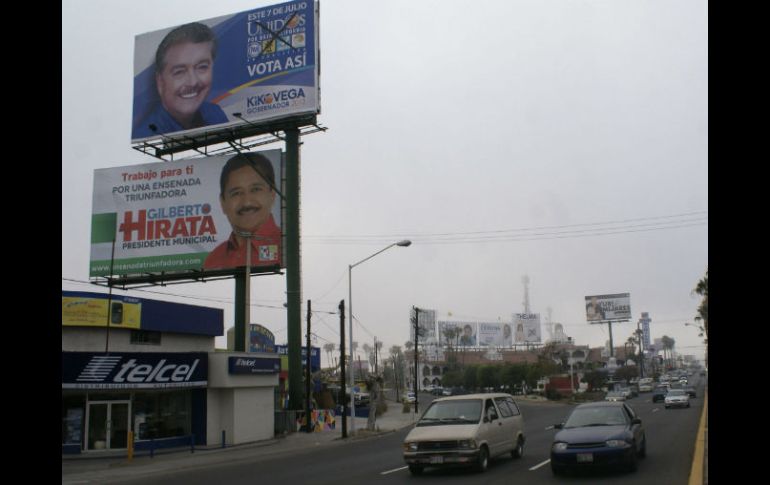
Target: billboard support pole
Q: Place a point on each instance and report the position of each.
(239, 315)
(293, 269)
(612, 350)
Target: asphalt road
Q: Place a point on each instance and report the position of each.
(670, 433)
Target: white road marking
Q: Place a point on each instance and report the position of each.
(656, 410)
(394, 470)
(538, 466)
(549, 427)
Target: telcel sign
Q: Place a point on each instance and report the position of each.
(246, 68)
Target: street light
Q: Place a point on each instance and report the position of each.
(404, 243)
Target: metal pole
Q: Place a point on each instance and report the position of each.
(247, 299)
(612, 350)
(293, 269)
(416, 339)
(109, 298)
(309, 428)
(342, 368)
(352, 371)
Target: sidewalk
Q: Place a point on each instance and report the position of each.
(87, 468)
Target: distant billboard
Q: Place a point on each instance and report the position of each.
(526, 328)
(251, 67)
(463, 334)
(495, 334)
(169, 217)
(261, 339)
(601, 308)
(426, 321)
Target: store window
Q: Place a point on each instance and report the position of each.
(161, 414)
(72, 418)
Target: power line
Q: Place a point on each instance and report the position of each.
(686, 220)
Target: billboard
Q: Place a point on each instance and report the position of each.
(169, 217)
(87, 309)
(247, 68)
(495, 334)
(463, 334)
(526, 328)
(261, 339)
(426, 321)
(600, 308)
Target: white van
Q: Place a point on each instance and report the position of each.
(468, 429)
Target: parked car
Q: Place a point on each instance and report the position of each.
(615, 396)
(677, 398)
(437, 391)
(599, 434)
(659, 394)
(465, 430)
(409, 397)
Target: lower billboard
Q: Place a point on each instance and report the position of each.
(194, 215)
(601, 308)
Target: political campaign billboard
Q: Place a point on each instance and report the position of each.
(188, 215)
(427, 325)
(601, 308)
(494, 334)
(526, 328)
(462, 334)
(253, 67)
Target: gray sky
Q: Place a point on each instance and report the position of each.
(501, 137)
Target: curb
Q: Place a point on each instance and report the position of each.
(696, 471)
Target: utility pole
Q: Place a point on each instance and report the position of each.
(309, 426)
(341, 397)
(416, 339)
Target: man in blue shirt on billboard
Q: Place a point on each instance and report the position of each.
(184, 66)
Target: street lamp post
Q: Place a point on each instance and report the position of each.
(404, 243)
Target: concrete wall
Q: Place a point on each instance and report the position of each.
(241, 405)
(85, 339)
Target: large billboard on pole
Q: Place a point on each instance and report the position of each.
(183, 216)
(494, 334)
(601, 308)
(247, 68)
(526, 328)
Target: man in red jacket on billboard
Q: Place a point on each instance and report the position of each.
(247, 194)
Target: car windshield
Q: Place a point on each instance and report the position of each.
(596, 416)
(452, 412)
(676, 392)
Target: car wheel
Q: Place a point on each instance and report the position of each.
(518, 451)
(557, 470)
(415, 469)
(483, 461)
(643, 451)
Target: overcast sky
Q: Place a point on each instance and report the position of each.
(565, 140)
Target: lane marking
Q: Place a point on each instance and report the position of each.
(540, 465)
(394, 470)
(549, 427)
(656, 410)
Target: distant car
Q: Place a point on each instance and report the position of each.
(446, 392)
(691, 392)
(677, 398)
(599, 434)
(409, 397)
(437, 391)
(465, 430)
(659, 394)
(615, 396)
(645, 387)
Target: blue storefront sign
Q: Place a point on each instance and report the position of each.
(133, 370)
(253, 365)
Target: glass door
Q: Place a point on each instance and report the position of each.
(107, 425)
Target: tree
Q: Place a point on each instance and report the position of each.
(702, 288)
(668, 346)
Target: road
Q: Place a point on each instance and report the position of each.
(670, 433)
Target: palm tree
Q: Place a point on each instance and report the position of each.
(668, 345)
(702, 288)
